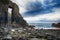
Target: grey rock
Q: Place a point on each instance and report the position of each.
(15, 16)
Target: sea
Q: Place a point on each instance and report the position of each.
(42, 25)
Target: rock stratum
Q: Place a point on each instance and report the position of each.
(16, 18)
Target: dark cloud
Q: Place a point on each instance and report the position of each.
(49, 21)
(37, 8)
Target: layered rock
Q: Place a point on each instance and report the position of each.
(16, 16)
(3, 12)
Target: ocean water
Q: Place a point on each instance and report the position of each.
(42, 25)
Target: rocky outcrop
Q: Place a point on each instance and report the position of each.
(4, 1)
(3, 12)
(56, 25)
(16, 16)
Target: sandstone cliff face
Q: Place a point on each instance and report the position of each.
(16, 16)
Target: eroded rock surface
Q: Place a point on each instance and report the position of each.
(16, 16)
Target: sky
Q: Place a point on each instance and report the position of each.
(37, 11)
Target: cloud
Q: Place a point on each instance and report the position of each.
(41, 7)
(47, 12)
(35, 8)
(51, 17)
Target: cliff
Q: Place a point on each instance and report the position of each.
(16, 18)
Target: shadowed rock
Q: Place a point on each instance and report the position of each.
(16, 16)
(56, 25)
(4, 11)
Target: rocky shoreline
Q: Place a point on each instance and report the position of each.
(17, 28)
(23, 34)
